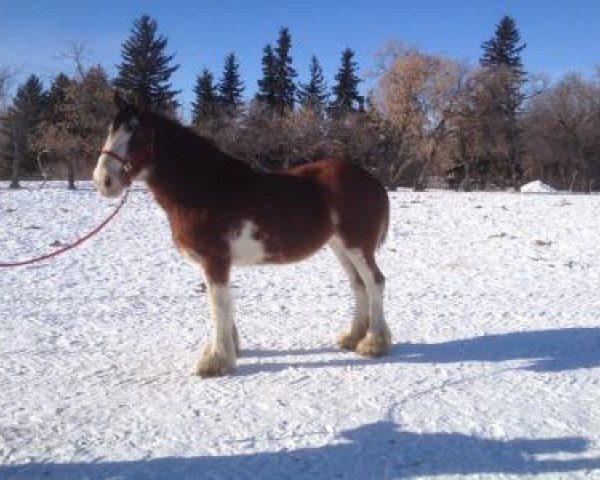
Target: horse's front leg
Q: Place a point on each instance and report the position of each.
(219, 355)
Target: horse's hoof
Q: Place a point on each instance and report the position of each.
(374, 344)
(348, 341)
(213, 365)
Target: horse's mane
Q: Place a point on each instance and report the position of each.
(188, 162)
(176, 130)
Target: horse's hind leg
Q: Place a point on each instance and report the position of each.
(378, 338)
(348, 340)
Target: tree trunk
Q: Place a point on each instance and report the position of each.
(467, 179)
(573, 180)
(16, 163)
(71, 174)
(43, 172)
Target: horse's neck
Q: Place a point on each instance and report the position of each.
(189, 170)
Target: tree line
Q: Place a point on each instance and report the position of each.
(428, 120)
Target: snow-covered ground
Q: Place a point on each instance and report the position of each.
(493, 300)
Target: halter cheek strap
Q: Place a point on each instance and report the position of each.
(138, 161)
(127, 166)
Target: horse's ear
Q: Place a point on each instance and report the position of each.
(120, 102)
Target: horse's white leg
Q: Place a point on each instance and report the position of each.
(219, 356)
(360, 321)
(378, 338)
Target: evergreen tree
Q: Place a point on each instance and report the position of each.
(267, 85)
(503, 51)
(206, 105)
(30, 100)
(313, 95)
(345, 91)
(145, 71)
(56, 97)
(24, 117)
(230, 86)
(503, 48)
(285, 89)
(502, 58)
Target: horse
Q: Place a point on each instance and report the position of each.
(225, 213)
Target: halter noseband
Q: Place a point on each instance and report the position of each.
(138, 161)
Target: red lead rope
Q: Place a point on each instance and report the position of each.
(66, 248)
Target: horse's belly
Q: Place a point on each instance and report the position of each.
(288, 247)
(254, 244)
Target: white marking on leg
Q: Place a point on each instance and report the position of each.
(375, 290)
(362, 304)
(220, 355)
(221, 310)
(361, 311)
(245, 248)
(378, 338)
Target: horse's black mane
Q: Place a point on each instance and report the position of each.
(186, 145)
(189, 167)
(187, 133)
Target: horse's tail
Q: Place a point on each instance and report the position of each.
(385, 224)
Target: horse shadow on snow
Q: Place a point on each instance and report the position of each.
(374, 451)
(556, 350)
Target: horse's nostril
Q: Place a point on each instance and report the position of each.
(107, 182)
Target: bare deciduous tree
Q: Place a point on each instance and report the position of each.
(561, 130)
(76, 136)
(7, 133)
(417, 95)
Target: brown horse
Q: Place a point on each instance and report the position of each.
(224, 213)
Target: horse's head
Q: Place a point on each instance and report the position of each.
(127, 150)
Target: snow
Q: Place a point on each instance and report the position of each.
(537, 186)
(493, 303)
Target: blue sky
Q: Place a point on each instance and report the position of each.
(561, 35)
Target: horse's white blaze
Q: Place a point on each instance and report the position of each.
(116, 142)
(110, 168)
(245, 248)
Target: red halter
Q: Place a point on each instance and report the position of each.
(137, 162)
